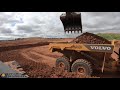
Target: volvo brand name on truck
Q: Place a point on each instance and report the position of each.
(100, 48)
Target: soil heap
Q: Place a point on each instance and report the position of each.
(89, 38)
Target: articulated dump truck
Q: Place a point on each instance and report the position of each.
(83, 57)
(76, 59)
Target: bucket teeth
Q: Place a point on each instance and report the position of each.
(73, 31)
(72, 22)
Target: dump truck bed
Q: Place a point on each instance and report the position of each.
(108, 48)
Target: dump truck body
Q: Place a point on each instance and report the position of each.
(106, 48)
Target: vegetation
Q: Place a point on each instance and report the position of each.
(110, 36)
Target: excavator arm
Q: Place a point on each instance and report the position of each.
(71, 22)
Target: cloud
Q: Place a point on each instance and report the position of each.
(5, 31)
(98, 20)
(47, 24)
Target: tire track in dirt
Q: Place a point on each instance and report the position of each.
(46, 59)
(44, 50)
(25, 55)
(31, 54)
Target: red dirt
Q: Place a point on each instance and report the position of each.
(35, 69)
(38, 62)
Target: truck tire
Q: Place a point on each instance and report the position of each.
(82, 66)
(64, 63)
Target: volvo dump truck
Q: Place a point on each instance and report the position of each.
(75, 57)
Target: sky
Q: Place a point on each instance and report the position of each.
(48, 25)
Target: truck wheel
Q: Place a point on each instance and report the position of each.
(64, 63)
(82, 66)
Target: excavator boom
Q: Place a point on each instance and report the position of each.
(72, 22)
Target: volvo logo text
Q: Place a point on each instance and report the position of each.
(100, 48)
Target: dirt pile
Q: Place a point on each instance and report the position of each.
(89, 38)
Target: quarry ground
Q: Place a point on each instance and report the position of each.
(40, 52)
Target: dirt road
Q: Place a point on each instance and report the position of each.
(40, 54)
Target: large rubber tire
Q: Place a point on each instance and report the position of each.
(65, 61)
(82, 66)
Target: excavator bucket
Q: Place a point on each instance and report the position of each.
(72, 22)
